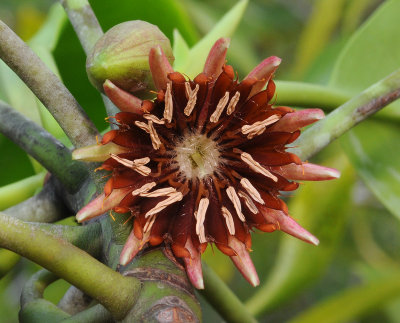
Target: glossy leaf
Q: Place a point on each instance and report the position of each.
(297, 263)
(371, 54)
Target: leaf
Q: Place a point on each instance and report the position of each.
(298, 263)
(180, 50)
(351, 303)
(224, 28)
(371, 54)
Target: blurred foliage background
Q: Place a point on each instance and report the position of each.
(353, 276)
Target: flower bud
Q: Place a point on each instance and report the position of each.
(122, 56)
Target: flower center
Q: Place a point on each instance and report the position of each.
(196, 155)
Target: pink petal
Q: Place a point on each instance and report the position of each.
(159, 67)
(263, 73)
(306, 172)
(293, 121)
(243, 261)
(193, 266)
(101, 204)
(216, 58)
(132, 246)
(286, 224)
(98, 153)
(122, 99)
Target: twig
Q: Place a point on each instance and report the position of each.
(42, 146)
(116, 292)
(47, 87)
(88, 29)
(348, 115)
(223, 299)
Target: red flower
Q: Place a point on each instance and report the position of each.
(203, 163)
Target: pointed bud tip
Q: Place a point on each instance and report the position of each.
(275, 60)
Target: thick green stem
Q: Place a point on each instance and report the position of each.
(348, 115)
(19, 191)
(96, 313)
(46, 206)
(34, 308)
(223, 299)
(47, 87)
(42, 146)
(117, 293)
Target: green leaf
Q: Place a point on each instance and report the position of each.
(180, 50)
(353, 302)
(372, 53)
(224, 28)
(298, 263)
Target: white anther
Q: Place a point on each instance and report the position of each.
(188, 90)
(230, 191)
(168, 103)
(172, 198)
(220, 107)
(229, 220)
(149, 224)
(249, 202)
(155, 141)
(200, 216)
(153, 118)
(160, 192)
(142, 125)
(257, 128)
(145, 188)
(254, 165)
(232, 103)
(191, 101)
(255, 195)
(137, 164)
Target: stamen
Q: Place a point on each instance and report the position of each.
(255, 195)
(173, 197)
(143, 126)
(200, 215)
(168, 104)
(232, 103)
(220, 107)
(249, 202)
(236, 202)
(155, 141)
(257, 128)
(160, 192)
(137, 164)
(191, 101)
(149, 224)
(229, 220)
(254, 165)
(188, 90)
(153, 118)
(145, 188)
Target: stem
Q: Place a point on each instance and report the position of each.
(42, 146)
(307, 95)
(348, 115)
(33, 306)
(96, 313)
(47, 87)
(46, 206)
(89, 31)
(223, 299)
(115, 292)
(19, 191)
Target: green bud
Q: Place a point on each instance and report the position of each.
(122, 56)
